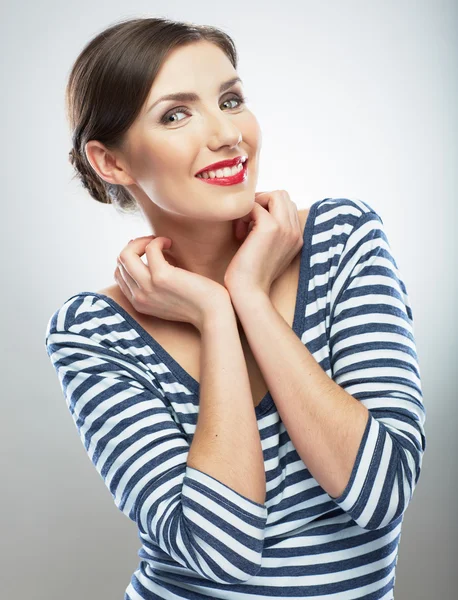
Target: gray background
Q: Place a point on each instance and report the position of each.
(355, 99)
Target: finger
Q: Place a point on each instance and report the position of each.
(290, 218)
(243, 222)
(154, 252)
(240, 229)
(274, 205)
(262, 198)
(292, 212)
(157, 264)
(295, 221)
(122, 284)
(278, 206)
(130, 281)
(143, 237)
(130, 259)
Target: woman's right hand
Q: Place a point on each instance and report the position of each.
(163, 290)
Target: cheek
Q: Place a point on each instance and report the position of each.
(175, 158)
(169, 179)
(145, 161)
(251, 129)
(162, 166)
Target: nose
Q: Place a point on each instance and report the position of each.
(223, 131)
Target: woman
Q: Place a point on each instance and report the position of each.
(251, 393)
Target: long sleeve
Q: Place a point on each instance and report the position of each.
(133, 437)
(373, 357)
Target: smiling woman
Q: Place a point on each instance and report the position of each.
(125, 60)
(245, 471)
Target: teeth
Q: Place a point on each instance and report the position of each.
(226, 172)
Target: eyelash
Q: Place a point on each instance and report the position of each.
(241, 100)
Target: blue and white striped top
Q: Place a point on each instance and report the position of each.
(135, 409)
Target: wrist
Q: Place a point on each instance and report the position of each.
(218, 307)
(245, 295)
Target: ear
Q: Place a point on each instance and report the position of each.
(107, 164)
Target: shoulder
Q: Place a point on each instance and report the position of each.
(74, 312)
(114, 292)
(334, 213)
(343, 209)
(84, 313)
(335, 220)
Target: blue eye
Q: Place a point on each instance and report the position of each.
(241, 100)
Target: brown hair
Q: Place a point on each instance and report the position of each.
(109, 83)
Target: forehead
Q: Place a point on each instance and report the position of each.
(196, 66)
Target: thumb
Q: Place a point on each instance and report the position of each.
(140, 244)
(143, 238)
(162, 242)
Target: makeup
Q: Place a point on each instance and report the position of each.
(239, 177)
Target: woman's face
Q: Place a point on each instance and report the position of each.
(172, 140)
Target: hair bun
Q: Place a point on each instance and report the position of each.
(89, 179)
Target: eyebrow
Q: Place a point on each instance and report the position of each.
(191, 96)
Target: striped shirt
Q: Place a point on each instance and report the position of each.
(135, 409)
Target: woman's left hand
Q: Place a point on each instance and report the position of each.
(273, 238)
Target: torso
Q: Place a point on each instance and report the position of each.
(182, 340)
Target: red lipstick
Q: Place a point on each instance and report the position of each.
(231, 162)
(231, 180)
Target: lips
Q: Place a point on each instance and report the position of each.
(229, 180)
(224, 163)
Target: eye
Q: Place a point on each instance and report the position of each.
(241, 100)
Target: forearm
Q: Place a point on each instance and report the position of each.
(226, 443)
(325, 423)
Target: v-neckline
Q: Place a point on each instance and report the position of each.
(297, 326)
